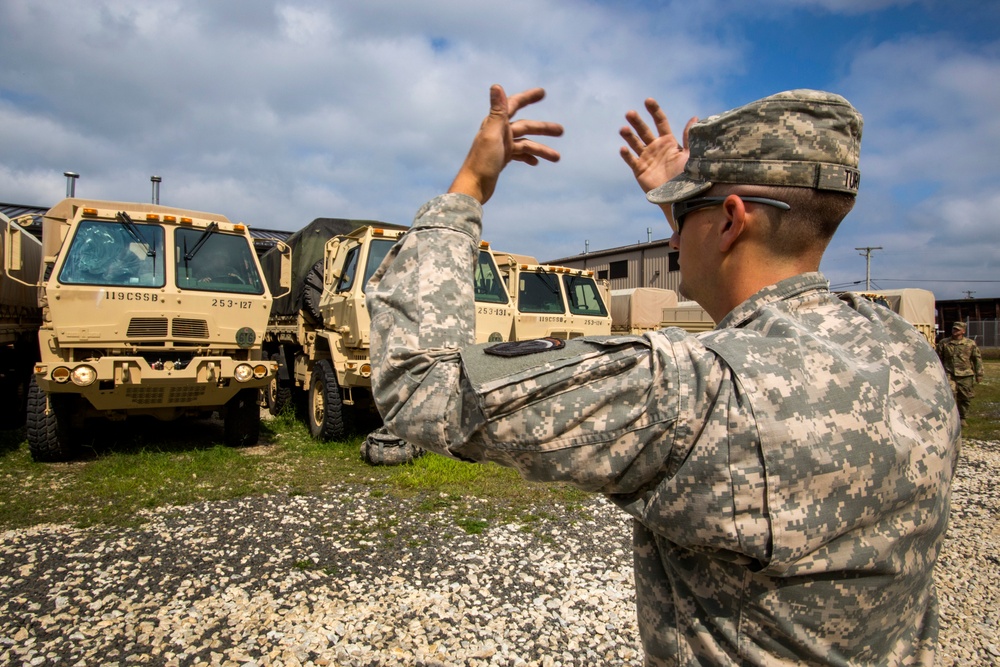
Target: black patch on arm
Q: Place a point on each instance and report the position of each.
(521, 348)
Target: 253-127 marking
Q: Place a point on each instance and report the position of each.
(231, 303)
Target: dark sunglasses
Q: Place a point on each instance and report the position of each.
(679, 209)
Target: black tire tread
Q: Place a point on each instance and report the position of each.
(49, 430)
(331, 426)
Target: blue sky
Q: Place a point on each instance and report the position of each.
(274, 113)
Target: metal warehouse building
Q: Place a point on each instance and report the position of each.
(651, 264)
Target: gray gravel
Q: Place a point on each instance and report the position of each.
(350, 578)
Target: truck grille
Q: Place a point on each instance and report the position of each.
(156, 327)
(185, 328)
(161, 395)
(147, 327)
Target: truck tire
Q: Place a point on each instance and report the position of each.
(279, 392)
(241, 424)
(49, 425)
(325, 409)
(312, 290)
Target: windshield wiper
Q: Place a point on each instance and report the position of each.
(188, 256)
(126, 222)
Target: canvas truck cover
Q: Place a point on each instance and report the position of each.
(307, 246)
(916, 306)
(640, 307)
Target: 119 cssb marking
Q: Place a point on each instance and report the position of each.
(132, 296)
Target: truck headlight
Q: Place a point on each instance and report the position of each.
(243, 372)
(260, 371)
(60, 374)
(83, 376)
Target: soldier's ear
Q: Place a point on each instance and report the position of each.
(734, 224)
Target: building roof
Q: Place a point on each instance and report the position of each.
(609, 251)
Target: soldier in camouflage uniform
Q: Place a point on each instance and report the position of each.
(788, 473)
(964, 365)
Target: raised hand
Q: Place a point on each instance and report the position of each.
(653, 158)
(499, 141)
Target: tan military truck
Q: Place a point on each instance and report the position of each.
(687, 315)
(640, 309)
(20, 318)
(553, 301)
(146, 310)
(319, 333)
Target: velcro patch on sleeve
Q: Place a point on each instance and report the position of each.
(520, 348)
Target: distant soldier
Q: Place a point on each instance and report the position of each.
(964, 364)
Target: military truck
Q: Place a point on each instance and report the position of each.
(20, 318)
(640, 309)
(319, 333)
(553, 301)
(146, 310)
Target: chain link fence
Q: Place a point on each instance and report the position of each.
(986, 333)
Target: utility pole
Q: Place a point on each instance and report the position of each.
(868, 264)
(969, 293)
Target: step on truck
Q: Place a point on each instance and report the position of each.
(554, 301)
(146, 310)
(319, 332)
(20, 318)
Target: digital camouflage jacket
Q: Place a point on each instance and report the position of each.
(788, 473)
(961, 358)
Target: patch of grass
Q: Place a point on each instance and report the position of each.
(983, 419)
(136, 466)
(473, 526)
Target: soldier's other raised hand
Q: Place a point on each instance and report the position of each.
(654, 158)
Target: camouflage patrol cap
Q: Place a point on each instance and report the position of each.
(958, 325)
(803, 138)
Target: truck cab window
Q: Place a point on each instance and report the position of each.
(350, 270)
(376, 253)
(106, 253)
(489, 285)
(539, 293)
(584, 299)
(222, 263)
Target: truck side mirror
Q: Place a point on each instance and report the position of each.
(285, 276)
(13, 257)
(12, 248)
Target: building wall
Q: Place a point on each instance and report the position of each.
(642, 265)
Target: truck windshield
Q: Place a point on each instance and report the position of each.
(377, 250)
(539, 293)
(224, 263)
(583, 296)
(489, 285)
(106, 253)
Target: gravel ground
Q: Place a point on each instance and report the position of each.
(350, 578)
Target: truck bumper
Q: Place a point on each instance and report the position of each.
(132, 384)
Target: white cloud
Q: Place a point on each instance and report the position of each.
(278, 111)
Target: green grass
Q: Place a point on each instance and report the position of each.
(142, 465)
(983, 420)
